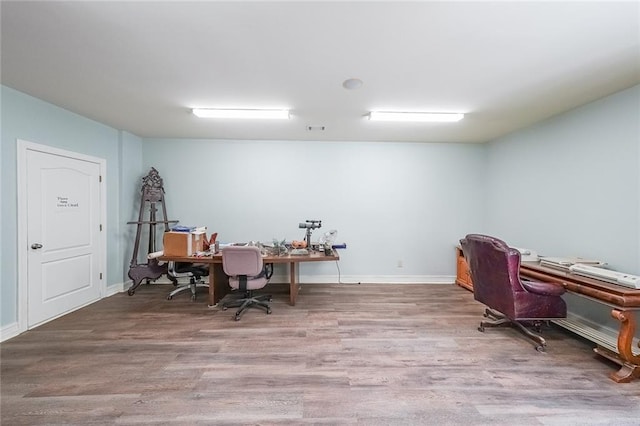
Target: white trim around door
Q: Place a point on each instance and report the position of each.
(23, 148)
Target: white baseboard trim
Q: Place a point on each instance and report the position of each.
(9, 331)
(367, 279)
(347, 279)
(117, 288)
(125, 286)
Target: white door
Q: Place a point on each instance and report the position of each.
(63, 209)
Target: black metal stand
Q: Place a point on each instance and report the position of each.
(152, 193)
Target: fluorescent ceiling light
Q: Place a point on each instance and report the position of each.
(273, 114)
(429, 117)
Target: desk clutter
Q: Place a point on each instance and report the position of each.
(282, 248)
(179, 243)
(192, 241)
(591, 268)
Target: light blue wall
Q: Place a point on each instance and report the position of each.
(27, 118)
(390, 202)
(131, 181)
(570, 186)
(2, 207)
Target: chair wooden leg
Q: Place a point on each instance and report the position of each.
(502, 322)
(496, 319)
(542, 343)
(491, 313)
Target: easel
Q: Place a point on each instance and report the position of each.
(152, 193)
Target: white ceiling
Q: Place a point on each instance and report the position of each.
(141, 66)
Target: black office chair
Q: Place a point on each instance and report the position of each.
(193, 271)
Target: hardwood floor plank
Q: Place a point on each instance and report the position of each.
(344, 355)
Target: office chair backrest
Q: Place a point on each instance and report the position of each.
(242, 260)
(247, 272)
(495, 271)
(187, 269)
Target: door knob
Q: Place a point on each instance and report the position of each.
(36, 246)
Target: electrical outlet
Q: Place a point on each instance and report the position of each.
(400, 265)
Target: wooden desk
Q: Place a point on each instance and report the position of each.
(463, 276)
(219, 282)
(625, 302)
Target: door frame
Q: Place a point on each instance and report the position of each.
(23, 147)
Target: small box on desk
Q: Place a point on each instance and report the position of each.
(182, 243)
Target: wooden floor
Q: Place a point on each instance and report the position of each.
(345, 354)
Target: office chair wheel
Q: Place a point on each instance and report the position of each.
(541, 348)
(481, 328)
(237, 317)
(169, 297)
(193, 297)
(268, 310)
(131, 292)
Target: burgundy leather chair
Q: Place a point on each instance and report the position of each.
(510, 301)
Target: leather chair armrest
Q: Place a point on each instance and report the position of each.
(546, 289)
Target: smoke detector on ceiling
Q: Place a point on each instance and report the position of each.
(352, 83)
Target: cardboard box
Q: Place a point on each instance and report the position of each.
(182, 243)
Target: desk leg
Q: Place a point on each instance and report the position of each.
(212, 285)
(293, 284)
(218, 284)
(630, 363)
